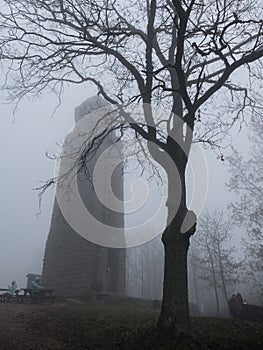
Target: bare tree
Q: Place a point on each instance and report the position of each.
(178, 54)
(218, 267)
(247, 182)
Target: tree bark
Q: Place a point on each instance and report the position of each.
(174, 316)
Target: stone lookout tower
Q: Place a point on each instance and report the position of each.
(72, 264)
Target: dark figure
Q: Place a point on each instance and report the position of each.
(239, 302)
(244, 311)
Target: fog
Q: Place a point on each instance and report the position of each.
(26, 137)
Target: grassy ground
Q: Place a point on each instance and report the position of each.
(102, 326)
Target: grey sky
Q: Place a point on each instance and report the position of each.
(23, 144)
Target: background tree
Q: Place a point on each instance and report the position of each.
(219, 269)
(247, 182)
(145, 270)
(173, 53)
(194, 270)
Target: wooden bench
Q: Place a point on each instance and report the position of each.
(35, 296)
(247, 312)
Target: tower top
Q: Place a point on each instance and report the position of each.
(89, 105)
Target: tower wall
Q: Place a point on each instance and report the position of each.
(72, 264)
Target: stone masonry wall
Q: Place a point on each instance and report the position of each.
(72, 264)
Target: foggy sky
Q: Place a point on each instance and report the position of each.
(23, 144)
(24, 166)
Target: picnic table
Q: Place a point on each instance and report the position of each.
(36, 296)
(6, 290)
(33, 296)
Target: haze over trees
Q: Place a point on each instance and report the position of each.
(247, 182)
(215, 264)
(145, 270)
(181, 55)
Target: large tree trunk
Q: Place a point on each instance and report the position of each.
(174, 315)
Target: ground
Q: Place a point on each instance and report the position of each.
(70, 326)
